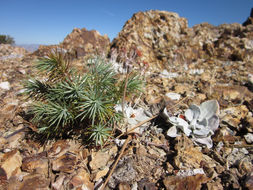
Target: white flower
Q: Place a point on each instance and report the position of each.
(201, 122)
(133, 116)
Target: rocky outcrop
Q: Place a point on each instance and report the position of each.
(78, 43)
(8, 51)
(43, 50)
(164, 38)
(81, 42)
(153, 33)
(249, 19)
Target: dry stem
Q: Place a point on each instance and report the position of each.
(115, 164)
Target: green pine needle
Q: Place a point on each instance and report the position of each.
(67, 100)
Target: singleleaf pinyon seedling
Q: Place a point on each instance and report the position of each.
(67, 101)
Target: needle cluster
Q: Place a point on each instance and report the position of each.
(67, 100)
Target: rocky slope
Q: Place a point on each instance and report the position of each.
(9, 52)
(181, 66)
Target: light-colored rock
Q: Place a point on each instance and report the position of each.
(9, 52)
(57, 185)
(173, 96)
(17, 137)
(249, 138)
(245, 166)
(101, 158)
(5, 85)
(11, 163)
(234, 115)
(101, 173)
(82, 179)
(188, 156)
(124, 172)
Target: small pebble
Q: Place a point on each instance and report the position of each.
(5, 85)
(249, 138)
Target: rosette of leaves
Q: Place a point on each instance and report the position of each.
(200, 122)
(66, 100)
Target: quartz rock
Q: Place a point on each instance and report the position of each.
(101, 158)
(249, 138)
(5, 85)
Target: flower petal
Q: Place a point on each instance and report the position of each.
(189, 114)
(172, 132)
(181, 124)
(208, 109)
(213, 122)
(205, 141)
(195, 110)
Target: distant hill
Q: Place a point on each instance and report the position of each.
(29, 47)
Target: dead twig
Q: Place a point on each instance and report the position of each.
(178, 103)
(136, 126)
(115, 164)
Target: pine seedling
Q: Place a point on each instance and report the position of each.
(99, 134)
(66, 100)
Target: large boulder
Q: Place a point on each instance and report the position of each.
(44, 50)
(164, 38)
(81, 42)
(153, 33)
(249, 19)
(78, 43)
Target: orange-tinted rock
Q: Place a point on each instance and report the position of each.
(101, 158)
(34, 181)
(82, 179)
(10, 164)
(232, 94)
(65, 163)
(153, 33)
(81, 42)
(59, 148)
(38, 163)
(124, 186)
(78, 43)
(186, 183)
(188, 156)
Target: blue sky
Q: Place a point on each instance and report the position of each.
(49, 21)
